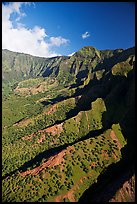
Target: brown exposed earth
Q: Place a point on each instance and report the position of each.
(93, 164)
(52, 161)
(54, 130)
(87, 120)
(27, 121)
(29, 137)
(105, 154)
(114, 137)
(78, 117)
(69, 195)
(32, 90)
(114, 155)
(52, 109)
(41, 139)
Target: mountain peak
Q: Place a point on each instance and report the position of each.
(88, 48)
(87, 51)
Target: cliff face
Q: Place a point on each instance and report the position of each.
(126, 193)
(117, 184)
(20, 66)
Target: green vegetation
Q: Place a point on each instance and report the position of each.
(51, 181)
(64, 121)
(30, 82)
(121, 68)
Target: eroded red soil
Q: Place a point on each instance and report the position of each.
(54, 130)
(87, 120)
(52, 109)
(69, 195)
(105, 154)
(114, 137)
(41, 139)
(52, 161)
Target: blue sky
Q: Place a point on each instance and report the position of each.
(60, 28)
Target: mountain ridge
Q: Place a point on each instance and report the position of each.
(17, 66)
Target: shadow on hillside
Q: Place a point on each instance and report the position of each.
(79, 91)
(95, 89)
(115, 90)
(120, 107)
(51, 152)
(110, 181)
(55, 100)
(90, 92)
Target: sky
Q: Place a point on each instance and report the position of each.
(49, 29)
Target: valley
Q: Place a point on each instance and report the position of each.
(67, 124)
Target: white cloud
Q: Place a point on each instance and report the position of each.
(33, 41)
(58, 41)
(85, 35)
(71, 54)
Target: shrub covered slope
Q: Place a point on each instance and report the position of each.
(66, 123)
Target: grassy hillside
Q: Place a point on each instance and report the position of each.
(65, 121)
